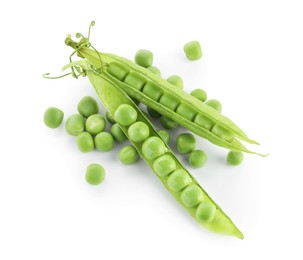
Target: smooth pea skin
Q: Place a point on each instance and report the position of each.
(199, 94)
(110, 118)
(125, 115)
(88, 106)
(95, 174)
(197, 158)
(85, 142)
(153, 147)
(164, 165)
(178, 180)
(206, 212)
(117, 133)
(193, 50)
(95, 124)
(215, 104)
(144, 58)
(104, 142)
(192, 195)
(176, 81)
(75, 124)
(167, 123)
(155, 70)
(164, 135)
(234, 157)
(138, 132)
(53, 117)
(186, 143)
(128, 155)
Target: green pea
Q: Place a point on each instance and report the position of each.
(234, 157)
(222, 132)
(167, 123)
(186, 143)
(135, 80)
(75, 124)
(138, 132)
(193, 50)
(88, 106)
(53, 117)
(155, 70)
(85, 142)
(152, 90)
(95, 174)
(144, 58)
(95, 124)
(110, 118)
(215, 104)
(104, 142)
(192, 195)
(186, 111)
(128, 155)
(176, 81)
(153, 147)
(164, 135)
(153, 113)
(117, 133)
(169, 101)
(197, 159)
(206, 212)
(125, 115)
(204, 121)
(117, 70)
(164, 165)
(199, 94)
(178, 180)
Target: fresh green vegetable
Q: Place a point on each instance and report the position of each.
(199, 94)
(95, 174)
(154, 70)
(117, 133)
(176, 81)
(138, 132)
(125, 115)
(53, 117)
(85, 142)
(95, 124)
(128, 155)
(193, 50)
(153, 147)
(88, 106)
(192, 195)
(75, 124)
(144, 58)
(178, 180)
(110, 118)
(206, 212)
(164, 135)
(197, 158)
(167, 123)
(164, 165)
(186, 143)
(215, 104)
(104, 142)
(235, 157)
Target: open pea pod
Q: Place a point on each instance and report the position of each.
(185, 189)
(160, 95)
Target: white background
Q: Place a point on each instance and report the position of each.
(252, 62)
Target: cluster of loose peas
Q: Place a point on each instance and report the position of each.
(89, 128)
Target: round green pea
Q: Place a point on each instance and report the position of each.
(53, 117)
(176, 81)
(197, 158)
(88, 106)
(95, 124)
(164, 165)
(167, 123)
(192, 195)
(153, 147)
(186, 143)
(138, 132)
(178, 180)
(75, 124)
(193, 50)
(164, 135)
(128, 155)
(153, 113)
(154, 70)
(85, 142)
(125, 115)
(144, 58)
(206, 212)
(110, 118)
(104, 142)
(215, 104)
(199, 94)
(117, 133)
(95, 174)
(234, 157)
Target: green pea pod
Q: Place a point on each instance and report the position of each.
(191, 195)
(160, 95)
